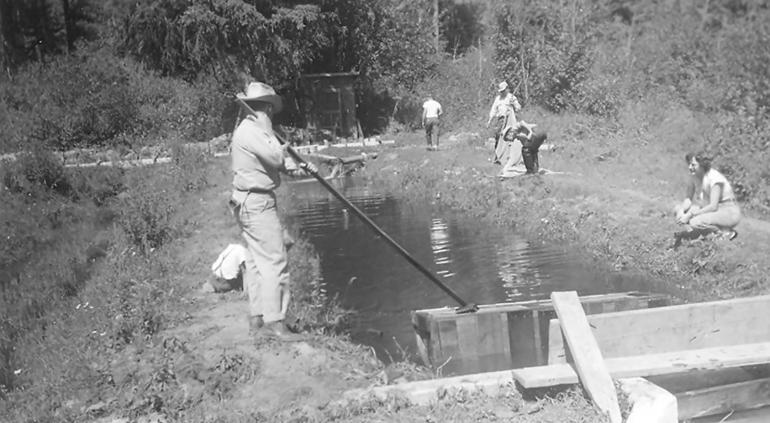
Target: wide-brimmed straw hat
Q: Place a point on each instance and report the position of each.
(259, 91)
(502, 86)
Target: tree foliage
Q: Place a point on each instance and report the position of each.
(188, 38)
(35, 29)
(544, 48)
(460, 26)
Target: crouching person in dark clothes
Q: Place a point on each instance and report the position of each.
(530, 145)
(257, 161)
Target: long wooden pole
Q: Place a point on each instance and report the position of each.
(464, 305)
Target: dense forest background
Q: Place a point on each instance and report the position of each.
(119, 73)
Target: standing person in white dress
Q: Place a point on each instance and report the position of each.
(431, 111)
(502, 114)
(710, 205)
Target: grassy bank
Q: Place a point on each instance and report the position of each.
(611, 198)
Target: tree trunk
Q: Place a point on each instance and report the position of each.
(6, 26)
(435, 27)
(68, 29)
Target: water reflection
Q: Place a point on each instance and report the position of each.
(520, 276)
(441, 245)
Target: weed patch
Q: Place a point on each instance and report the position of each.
(146, 218)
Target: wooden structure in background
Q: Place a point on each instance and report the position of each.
(330, 102)
(504, 336)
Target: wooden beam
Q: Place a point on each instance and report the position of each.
(673, 328)
(652, 364)
(724, 398)
(644, 300)
(589, 362)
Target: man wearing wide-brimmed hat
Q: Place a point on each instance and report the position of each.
(258, 158)
(502, 114)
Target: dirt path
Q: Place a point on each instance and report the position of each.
(302, 375)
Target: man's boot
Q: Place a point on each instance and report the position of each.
(255, 324)
(280, 331)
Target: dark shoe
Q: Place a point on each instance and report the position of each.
(677, 240)
(256, 323)
(280, 331)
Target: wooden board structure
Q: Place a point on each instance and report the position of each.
(589, 362)
(652, 364)
(724, 398)
(505, 335)
(673, 328)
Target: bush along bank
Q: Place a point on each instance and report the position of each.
(578, 213)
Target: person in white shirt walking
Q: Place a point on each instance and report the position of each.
(431, 111)
(502, 114)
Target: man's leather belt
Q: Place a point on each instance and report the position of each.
(256, 191)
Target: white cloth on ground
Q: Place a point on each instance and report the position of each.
(228, 264)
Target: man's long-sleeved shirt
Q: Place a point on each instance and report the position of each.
(503, 105)
(257, 156)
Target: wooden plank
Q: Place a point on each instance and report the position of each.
(589, 362)
(545, 319)
(493, 342)
(468, 342)
(422, 336)
(652, 364)
(664, 329)
(722, 399)
(702, 380)
(760, 415)
(645, 299)
(522, 347)
(538, 341)
(448, 346)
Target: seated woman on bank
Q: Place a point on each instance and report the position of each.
(710, 205)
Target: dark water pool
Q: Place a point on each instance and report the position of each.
(482, 264)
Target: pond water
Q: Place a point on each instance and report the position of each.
(482, 264)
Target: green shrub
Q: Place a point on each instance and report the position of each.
(94, 98)
(98, 184)
(35, 169)
(146, 218)
(189, 167)
(311, 306)
(544, 49)
(741, 149)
